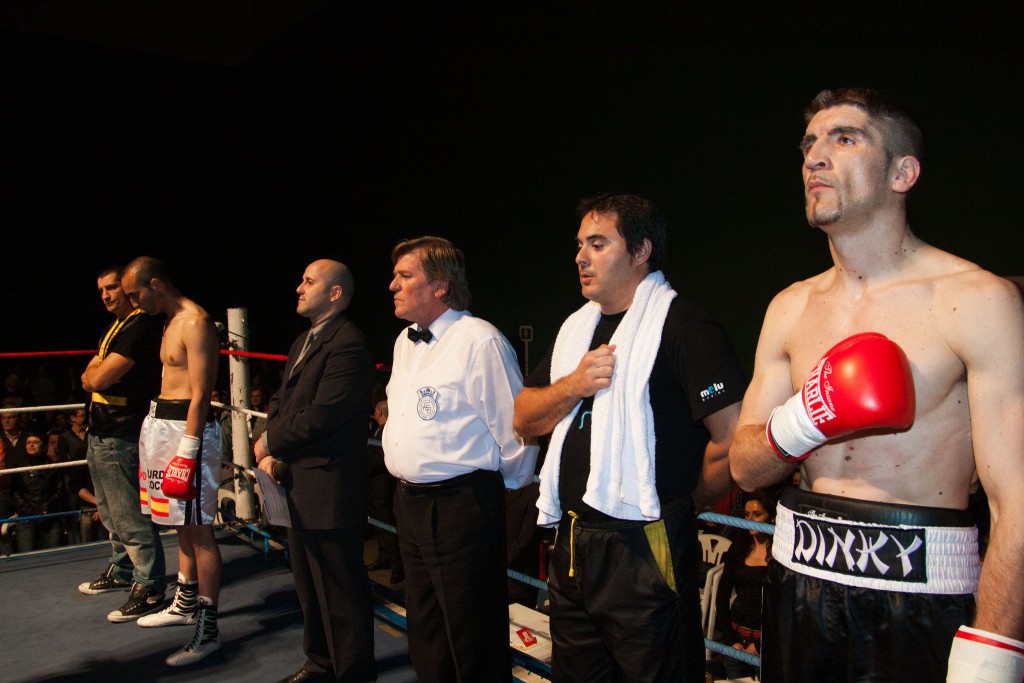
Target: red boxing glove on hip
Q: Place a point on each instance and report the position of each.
(177, 482)
(863, 382)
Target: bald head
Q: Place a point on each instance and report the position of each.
(326, 289)
(337, 273)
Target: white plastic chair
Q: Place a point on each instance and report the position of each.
(715, 574)
(714, 546)
(707, 600)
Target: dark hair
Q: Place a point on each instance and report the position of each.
(637, 219)
(901, 135)
(440, 260)
(146, 268)
(768, 498)
(117, 271)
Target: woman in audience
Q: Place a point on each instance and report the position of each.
(746, 567)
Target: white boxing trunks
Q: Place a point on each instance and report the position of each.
(161, 432)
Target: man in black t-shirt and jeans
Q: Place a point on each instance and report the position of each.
(641, 393)
(121, 379)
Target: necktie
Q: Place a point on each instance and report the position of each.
(305, 347)
(418, 336)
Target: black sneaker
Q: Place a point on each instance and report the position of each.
(142, 600)
(107, 582)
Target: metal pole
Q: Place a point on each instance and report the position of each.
(238, 339)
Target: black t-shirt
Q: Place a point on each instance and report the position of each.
(138, 339)
(748, 583)
(695, 374)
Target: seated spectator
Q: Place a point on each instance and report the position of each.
(523, 539)
(8, 460)
(42, 388)
(59, 421)
(57, 451)
(223, 417)
(38, 492)
(746, 567)
(380, 500)
(12, 436)
(13, 392)
(73, 439)
(80, 488)
(54, 452)
(257, 425)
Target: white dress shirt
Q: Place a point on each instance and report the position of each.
(450, 403)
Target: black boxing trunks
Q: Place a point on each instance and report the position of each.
(862, 591)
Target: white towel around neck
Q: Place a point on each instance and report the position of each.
(621, 482)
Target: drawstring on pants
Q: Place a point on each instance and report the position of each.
(572, 543)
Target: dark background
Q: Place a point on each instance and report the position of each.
(238, 141)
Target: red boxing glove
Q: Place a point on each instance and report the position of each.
(178, 476)
(863, 382)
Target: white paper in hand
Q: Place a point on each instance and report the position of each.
(275, 503)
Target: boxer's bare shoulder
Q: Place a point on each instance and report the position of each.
(189, 337)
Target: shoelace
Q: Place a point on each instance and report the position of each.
(185, 601)
(206, 631)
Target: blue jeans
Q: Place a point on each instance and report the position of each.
(136, 550)
(39, 535)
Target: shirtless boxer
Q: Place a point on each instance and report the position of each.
(180, 453)
(888, 431)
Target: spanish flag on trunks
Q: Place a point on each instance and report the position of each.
(159, 507)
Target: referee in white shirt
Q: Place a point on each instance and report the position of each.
(449, 441)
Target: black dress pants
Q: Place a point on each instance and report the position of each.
(337, 608)
(452, 539)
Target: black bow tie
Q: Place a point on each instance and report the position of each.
(418, 336)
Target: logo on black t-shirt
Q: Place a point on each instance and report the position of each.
(714, 390)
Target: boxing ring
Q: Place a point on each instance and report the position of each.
(60, 634)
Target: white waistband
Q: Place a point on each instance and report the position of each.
(937, 560)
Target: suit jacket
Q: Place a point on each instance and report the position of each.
(316, 424)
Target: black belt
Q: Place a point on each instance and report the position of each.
(435, 486)
(174, 409)
(869, 512)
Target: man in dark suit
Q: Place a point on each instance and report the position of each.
(315, 444)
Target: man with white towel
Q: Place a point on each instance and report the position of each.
(641, 393)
